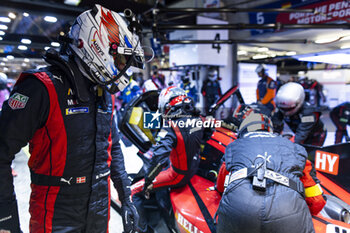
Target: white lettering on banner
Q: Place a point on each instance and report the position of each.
(327, 162)
(192, 123)
(321, 161)
(189, 227)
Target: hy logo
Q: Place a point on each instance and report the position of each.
(151, 120)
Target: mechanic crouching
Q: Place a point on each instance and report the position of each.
(269, 183)
(179, 144)
(302, 118)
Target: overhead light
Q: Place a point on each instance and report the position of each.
(10, 57)
(2, 63)
(55, 44)
(26, 41)
(26, 60)
(50, 19)
(22, 47)
(338, 59)
(25, 14)
(2, 33)
(5, 59)
(291, 53)
(327, 40)
(242, 52)
(72, 2)
(47, 47)
(12, 15)
(262, 49)
(260, 56)
(1, 38)
(3, 27)
(5, 69)
(5, 19)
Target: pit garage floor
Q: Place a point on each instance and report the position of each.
(132, 163)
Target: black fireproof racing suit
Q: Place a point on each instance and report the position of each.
(74, 150)
(278, 208)
(306, 124)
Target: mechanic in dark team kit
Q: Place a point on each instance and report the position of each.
(340, 116)
(65, 112)
(302, 118)
(269, 183)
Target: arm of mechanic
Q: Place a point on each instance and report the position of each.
(18, 124)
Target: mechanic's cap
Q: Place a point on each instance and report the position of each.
(255, 122)
(260, 68)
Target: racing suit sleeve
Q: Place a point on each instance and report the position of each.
(303, 130)
(18, 124)
(166, 141)
(118, 174)
(270, 92)
(220, 181)
(313, 191)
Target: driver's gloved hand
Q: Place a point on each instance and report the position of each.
(130, 216)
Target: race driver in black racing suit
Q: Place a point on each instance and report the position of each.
(178, 143)
(69, 123)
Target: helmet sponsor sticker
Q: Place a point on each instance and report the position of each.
(18, 101)
(326, 162)
(78, 110)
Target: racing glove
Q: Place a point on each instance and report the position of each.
(130, 216)
(9, 217)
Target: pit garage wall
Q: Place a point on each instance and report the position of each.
(336, 84)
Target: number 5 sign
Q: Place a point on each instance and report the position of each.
(327, 162)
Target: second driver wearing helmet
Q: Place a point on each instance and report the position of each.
(303, 119)
(180, 145)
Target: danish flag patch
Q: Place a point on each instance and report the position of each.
(81, 180)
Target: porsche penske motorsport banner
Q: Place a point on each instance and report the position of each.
(327, 11)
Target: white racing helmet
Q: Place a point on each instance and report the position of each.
(260, 68)
(290, 97)
(106, 47)
(213, 74)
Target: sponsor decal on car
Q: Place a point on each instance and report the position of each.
(326, 162)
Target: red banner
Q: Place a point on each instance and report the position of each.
(326, 11)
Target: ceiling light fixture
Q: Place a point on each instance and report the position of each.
(338, 59)
(26, 60)
(55, 44)
(3, 27)
(242, 52)
(5, 59)
(26, 41)
(12, 15)
(327, 40)
(262, 49)
(72, 2)
(1, 38)
(5, 69)
(5, 19)
(2, 33)
(22, 47)
(291, 53)
(2, 63)
(50, 19)
(10, 57)
(25, 14)
(47, 47)
(260, 56)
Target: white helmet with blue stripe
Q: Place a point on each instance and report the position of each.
(106, 48)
